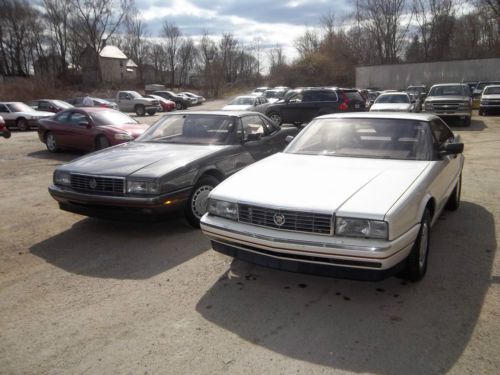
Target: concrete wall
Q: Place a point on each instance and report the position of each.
(400, 76)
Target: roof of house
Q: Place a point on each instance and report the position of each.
(112, 52)
(131, 64)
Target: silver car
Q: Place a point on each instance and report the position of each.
(353, 195)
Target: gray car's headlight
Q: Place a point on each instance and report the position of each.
(228, 210)
(142, 187)
(349, 227)
(62, 178)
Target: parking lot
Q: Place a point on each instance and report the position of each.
(81, 295)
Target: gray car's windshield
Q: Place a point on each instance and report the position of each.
(190, 129)
(365, 138)
(457, 90)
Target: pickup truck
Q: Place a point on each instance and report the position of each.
(450, 100)
(132, 101)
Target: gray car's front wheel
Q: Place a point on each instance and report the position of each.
(197, 204)
(22, 124)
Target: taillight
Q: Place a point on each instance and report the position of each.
(345, 102)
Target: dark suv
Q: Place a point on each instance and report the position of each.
(180, 102)
(306, 104)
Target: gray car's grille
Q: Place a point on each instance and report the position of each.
(449, 106)
(97, 184)
(297, 221)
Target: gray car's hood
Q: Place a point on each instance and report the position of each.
(140, 159)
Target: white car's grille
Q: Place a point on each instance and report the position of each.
(97, 184)
(297, 221)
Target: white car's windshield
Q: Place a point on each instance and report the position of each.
(365, 138)
(399, 98)
(242, 100)
(190, 129)
(492, 90)
(112, 117)
(20, 107)
(457, 90)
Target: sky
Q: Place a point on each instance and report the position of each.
(273, 22)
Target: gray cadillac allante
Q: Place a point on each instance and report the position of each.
(172, 167)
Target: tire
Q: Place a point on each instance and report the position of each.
(22, 124)
(276, 117)
(151, 113)
(454, 200)
(467, 121)
(416, 263)
(178, 106)
(51, 142)
(140, 110)
(197, 203)
(481, 112)
(101, 143)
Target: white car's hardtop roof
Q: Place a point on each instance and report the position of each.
(382, 115)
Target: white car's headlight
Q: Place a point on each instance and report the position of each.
(228, 210)
(349, 227)
(123, 137)
(142, 187)
(62, 178)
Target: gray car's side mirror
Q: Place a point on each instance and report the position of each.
(452, 149)
(252, 137)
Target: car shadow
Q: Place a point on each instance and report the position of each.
(122, 250)
(475, 126)
(65, 156)
(388, 327)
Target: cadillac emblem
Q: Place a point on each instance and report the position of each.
(279, 219)
(92, 183)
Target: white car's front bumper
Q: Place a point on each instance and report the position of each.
(254, 244)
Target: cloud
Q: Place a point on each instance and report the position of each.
(271, 22)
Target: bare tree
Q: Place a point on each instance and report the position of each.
(492, 5)
(434, 19)
(97, 21)
(384, 21)
(57, 13)
(135, 43)
(187, 57)
(172, 34)
(308, 43)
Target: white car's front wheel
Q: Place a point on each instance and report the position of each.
(416, 263)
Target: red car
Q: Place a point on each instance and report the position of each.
(166, 105)
(4, 131)
(88, 129)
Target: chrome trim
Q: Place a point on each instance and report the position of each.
(301, 242)
(102, 176)
(278, 208)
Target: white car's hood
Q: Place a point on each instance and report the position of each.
(234, 107)
(393, 107)
(35, 114)
(489, 97)
(325, 184)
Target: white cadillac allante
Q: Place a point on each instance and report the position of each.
(353, 195)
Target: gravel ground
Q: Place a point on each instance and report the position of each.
(80, 295)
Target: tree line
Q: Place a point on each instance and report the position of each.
(54, 33)
(389, 32)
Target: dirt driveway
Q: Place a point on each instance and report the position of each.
(80, 295)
